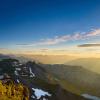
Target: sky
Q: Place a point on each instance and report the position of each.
(50, 27)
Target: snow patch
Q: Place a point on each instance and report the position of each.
(16, 73)
(39, 93)
(20, 64)
(33, 96)
(90, 97)
(31, 73)
(18, 81)
(19, 69)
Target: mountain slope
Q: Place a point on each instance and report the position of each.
(84, 80)
(92, 64)
(41, 84)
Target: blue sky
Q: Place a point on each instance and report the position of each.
(37, 22)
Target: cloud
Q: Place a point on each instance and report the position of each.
(55, 40)
(44, 49)
(2, 48)
(52, 41)
(89, 45)
(94, 32)
(23, 44)
(64, 38)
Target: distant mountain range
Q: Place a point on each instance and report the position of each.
(46, 59)
(92, 64)
(2, 56)
(50, 59)
(19, 57)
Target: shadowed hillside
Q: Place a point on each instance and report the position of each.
(82, 80)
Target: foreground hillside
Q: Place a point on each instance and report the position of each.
(76, 78)
(41, 84)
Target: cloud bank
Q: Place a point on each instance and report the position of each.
(89, 45)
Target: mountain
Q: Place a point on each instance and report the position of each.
(45, 59)
(92, 64)
(41, 84)
(2, 56)
(49, 59)
(78, 79)
(21, 58)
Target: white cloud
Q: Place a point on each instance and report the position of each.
(65, 38)
(94, 32)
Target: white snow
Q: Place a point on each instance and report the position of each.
(90, 97)
(18, 69)
(39, 93)
(31, 73)
(20, 64)
(18, 81)
(33, 97)
(16, 73)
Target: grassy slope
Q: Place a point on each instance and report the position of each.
(76, 79)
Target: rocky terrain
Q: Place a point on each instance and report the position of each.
(41, 84)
